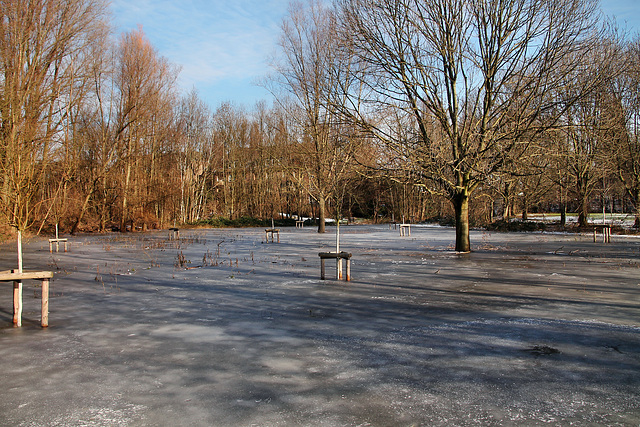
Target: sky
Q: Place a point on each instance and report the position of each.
(223, 46)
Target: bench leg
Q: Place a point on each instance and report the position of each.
(321, 268)
(50, 247)
(339, 269)
(278, 237)
(17, 303)
(348, 278)
(44, 319)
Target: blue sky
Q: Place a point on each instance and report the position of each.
(223, 46)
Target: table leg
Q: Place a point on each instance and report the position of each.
(321, 268)
(17, 303)
(44, 321)
(348, 278)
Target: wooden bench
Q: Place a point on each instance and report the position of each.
(338, 256)
(270, 232)
(299, 224)
(606, 233)
(174, 233)
(57, 242)
(17, 278)
(405, 229)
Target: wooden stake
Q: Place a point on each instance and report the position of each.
(17, 304)
(44, 320)
(19, 251)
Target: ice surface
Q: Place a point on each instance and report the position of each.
(529, 328)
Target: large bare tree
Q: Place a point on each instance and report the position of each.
(44, 46)
(470, 78)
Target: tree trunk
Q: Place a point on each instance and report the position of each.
(461, 207)
(583, 214)
(563, 214)
(637, 205)
(83, 209)
(321, 214)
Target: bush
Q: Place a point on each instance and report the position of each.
(524, 226)
(245, 221)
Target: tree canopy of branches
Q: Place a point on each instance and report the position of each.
(44, 49)
(468, 79)
(309, 71)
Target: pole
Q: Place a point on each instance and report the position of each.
(19, 251)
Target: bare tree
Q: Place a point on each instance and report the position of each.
(471, 78)
(146, 84)
(626, 103)
(309, 73)
(43, 45)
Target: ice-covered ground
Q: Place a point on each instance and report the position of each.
(220, 328)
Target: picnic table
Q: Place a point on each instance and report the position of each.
(271, 232)
(17, 278)
(57, 242)
(174, 233)
(338, 256)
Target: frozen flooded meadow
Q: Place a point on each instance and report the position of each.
(222, 328)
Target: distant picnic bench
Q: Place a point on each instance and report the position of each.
(174, 233)
(606, 233)
(17, 278)
(271, 232)
(57, 243)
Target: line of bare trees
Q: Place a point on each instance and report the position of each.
(385, 108)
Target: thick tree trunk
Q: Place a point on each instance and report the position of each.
(321, 214)
(583, 200)
(583, 214)
(461, 207)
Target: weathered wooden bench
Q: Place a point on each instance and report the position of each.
(57, 243)
(606, 233)
(405, 229)
(271, 232)
(174, 233)
(17, 278)
(338, 256)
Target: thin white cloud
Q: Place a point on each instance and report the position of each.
(213, 41)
